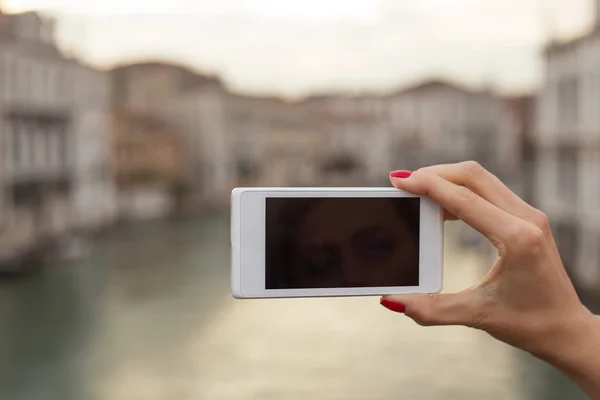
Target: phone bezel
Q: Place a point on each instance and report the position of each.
(248, 243)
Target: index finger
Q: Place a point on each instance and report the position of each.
(496, 224)
(482, 182)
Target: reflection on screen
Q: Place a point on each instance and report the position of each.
(342, 242)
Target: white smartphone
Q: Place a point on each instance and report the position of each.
(334, 242)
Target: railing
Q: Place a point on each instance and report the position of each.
(37, 173)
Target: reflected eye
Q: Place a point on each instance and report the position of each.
(376, 248)
(321, 260)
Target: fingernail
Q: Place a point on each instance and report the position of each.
(396, 307)
(400, 174)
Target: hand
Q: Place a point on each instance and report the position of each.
(527, 299)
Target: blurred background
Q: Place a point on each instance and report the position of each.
(124, 125)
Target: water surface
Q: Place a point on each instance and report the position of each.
(150, 317)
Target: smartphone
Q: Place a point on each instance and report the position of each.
(334, 242)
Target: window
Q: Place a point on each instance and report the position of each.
(30, 145)
(597, 97)
(568, 102)
(42, 145)
(568, 172)
(23, 92)
(16, 141)
(597, 181)
(589, 261)
(42, 82)
(34, 83)
(50, 145)
(8, 144)
(51, 83)
(62, 147)
(567, 242)
(22, 156)
(12, 76)
(3, 72)
(60, 82)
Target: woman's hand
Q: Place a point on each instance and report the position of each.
(527, 299)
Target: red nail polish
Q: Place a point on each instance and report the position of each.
(400, 174)
(390, 305)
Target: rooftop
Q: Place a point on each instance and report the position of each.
(436, 83)
(199, 77)
(557, 47)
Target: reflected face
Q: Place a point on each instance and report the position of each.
(354, 244)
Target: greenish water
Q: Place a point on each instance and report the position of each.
(150, 317)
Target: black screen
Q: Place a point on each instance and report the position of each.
(342, 242)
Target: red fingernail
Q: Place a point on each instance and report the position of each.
(400, 174)
(390, 305)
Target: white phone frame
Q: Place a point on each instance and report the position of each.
(248, 243)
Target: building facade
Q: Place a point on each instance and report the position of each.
(568, 141)
(36, 131)
(276, 142)
(194, 104)
(247, 121)
(94, 191)
(202, 118)
(438, 121)
(360, 138)
(368, 142)
(521, 119)
(146, 86)
(52, 134)
(147, 165)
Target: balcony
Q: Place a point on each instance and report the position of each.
(37, 173)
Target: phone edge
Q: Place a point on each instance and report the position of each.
(235, 256)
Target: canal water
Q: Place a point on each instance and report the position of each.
(150, 317)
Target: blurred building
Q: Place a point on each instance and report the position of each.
(438, 121)
(568, 137)
(147, 165)
(360, 137)
(521, 116)
(194, 104)
(276, 142)
(342, 105)
(366, 144)
(51, 133)
(279, 142)
(146, 86)
(94, 191)
(247, 121)
(201, 116)
(36, 126)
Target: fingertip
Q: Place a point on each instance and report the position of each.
(393, 305)
(400, 184)
(400, 174)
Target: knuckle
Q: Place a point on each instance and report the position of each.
(471, 168)
(527, 240)
(541, 220)
(421, 173)
(422, 183)
(429, 168)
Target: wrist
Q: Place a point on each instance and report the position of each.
(573, 347)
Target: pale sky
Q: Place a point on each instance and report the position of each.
(296, 46)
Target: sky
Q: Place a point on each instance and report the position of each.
(295, 47)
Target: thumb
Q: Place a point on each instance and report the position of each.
(435, 309)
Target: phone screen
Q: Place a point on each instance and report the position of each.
(319, 243)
